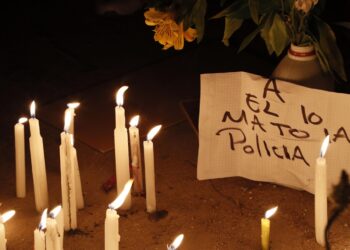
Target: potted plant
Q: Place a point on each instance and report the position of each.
(313, 58)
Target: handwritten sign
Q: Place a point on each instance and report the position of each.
(270, 130)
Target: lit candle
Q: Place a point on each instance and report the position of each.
(176, 243)
(135, 150)
(121, 147)
(4, 217)
(321, 194)
(265, 228)
(53, 231)
(71, 109)
(68, 186)
(38, 162)
(149, 170)
(20, 158)
(79, 190)
(112, 236)
(39, 234)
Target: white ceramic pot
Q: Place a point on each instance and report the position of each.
(301, 66)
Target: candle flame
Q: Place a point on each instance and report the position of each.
(120, 95)
(54, 212)
(270, 212)
(134, 121)
(122, 196)
(42, 224)
(152, 133)
(324, 146)
(32, 109)
(8, 215)
(22, 120)
(73, 105)
(177, 242)
(67, 120)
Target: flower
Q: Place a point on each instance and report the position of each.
(167, 31)
(305, 5)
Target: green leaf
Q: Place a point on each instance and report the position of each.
(198, 17)
(254, 10)
(238, 9)
(231, 25)
(248, 39)
(329, 48)
(278, 35)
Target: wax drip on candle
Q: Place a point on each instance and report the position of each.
(324, 146)
(176, 243)
(134, 121)
(73, 105)
(152, 133)
(32, 109)
(122, 196)
(6, 216)
(67, 120)
(120, 95)
(270, 212)
(22, 120)
(42, 224)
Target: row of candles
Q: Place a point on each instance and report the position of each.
(72, 198)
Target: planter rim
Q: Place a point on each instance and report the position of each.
(302, 53)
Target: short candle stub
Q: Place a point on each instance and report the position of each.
(324, 147)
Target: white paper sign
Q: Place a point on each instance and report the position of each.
(270, 131)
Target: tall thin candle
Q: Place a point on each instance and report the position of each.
(20, 158)
(121, 147)
(149, 170)
(265, 228)
(112, 236)
(321, 194)
(38, 162)
(135, 152)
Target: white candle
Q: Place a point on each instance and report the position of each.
(20, 158)
(68, 186)
(321, 194)
(265, 228)
(71, 108)
(176, 243)
(149, 170)
(39, 234)
(4, 217)
(78, 189)
(53, 235)
(112, 236)
(121, 147)
(38, 162)
(135, 150)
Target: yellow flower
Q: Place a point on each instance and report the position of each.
(167, 31)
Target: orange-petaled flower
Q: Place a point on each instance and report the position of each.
(167, 31)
